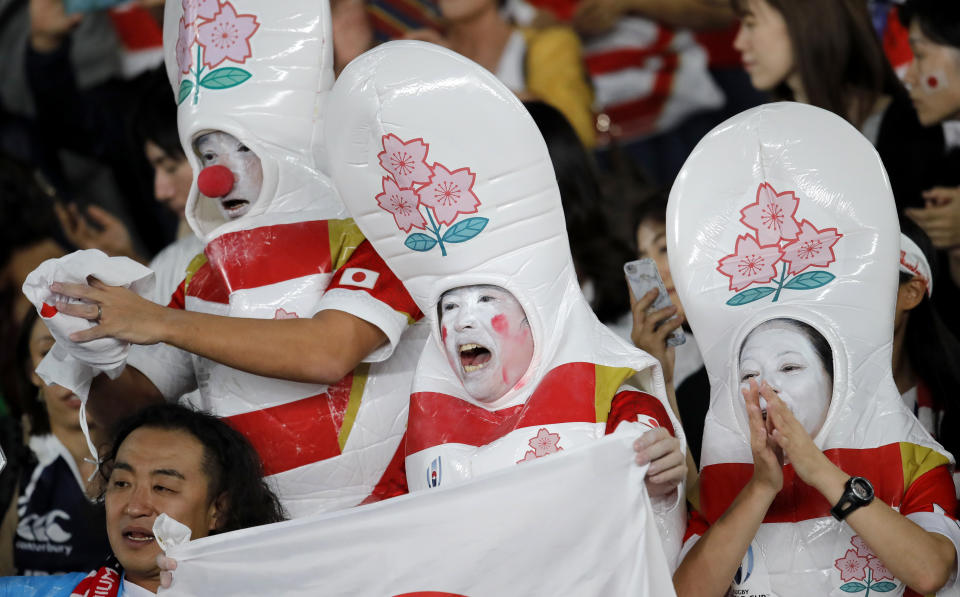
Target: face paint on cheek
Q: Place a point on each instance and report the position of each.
(933, 82)
(443, 334)
(499, 324)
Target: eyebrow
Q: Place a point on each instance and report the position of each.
(169, 472)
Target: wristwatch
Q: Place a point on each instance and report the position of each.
(857, 492)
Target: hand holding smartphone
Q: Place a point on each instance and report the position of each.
(642, 275)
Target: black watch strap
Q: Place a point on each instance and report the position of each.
(857, 492)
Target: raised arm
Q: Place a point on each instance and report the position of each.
(709, 567)
(322, 349)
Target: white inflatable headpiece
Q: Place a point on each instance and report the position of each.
(785, 211)
(446, 173)
(258, 70)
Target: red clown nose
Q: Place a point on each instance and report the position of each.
(215, 181)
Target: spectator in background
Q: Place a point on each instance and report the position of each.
(58, 529)
(934, 81)
(543, 64)
(826, 53)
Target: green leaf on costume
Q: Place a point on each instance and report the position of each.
(224, 78)
(809, 281)
(464, 230)
(749, 295)
(186, 86)
(853, 587)
(883, 587)
(420, 242)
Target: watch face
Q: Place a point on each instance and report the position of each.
(861, 488)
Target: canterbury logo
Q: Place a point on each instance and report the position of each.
(44, 527)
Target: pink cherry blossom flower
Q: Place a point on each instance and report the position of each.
(544, 443)
(405, 161)
(204, 9)
(227, 36)
(880, 571)
(403, 204)
(284, 314)
(449, 193)
(185, 39)
(772, 216)
(812, 248)
(851, 566)
(751, 263)
(861, 547)
(528, 456)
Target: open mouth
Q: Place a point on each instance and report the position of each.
(139, 537)
(234, 206)
(473, 357)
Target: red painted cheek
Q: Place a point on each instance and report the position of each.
(443, 334)
(499, 324)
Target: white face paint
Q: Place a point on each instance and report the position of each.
(783, 356)
(223, 149)
(487, 339)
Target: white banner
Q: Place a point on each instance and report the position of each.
(576, 523)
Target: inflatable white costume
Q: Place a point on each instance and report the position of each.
(452, 183)
(259, 71)
(785, 212)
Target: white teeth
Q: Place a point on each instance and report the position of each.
(469, 368)
(467, 347)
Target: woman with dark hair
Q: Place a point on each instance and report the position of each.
(166, 459)
(825, 53)
(58, 529)
(926, 355)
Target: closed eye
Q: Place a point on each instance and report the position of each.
(789, 368)
(746, 376)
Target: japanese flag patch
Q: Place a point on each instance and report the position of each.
(357, 276)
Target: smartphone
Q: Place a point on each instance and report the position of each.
(642, 275)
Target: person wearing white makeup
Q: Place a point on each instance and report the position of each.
(289, 316)
(793, 359)
(487, 338)
(815, 479)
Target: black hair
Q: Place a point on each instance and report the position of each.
(930, 346)
(233, 468)
(155, 115)
(597, 254)
(939, 20)
(819, 343)
(25, 392)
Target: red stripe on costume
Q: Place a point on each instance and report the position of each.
(630, 403)
(609, 61)
(178, 300)
(269, 254)
(297, 433)
(797, 501)
(393, 481)
(207, 285)
(388, 288)
(933, 487)
(566, 395)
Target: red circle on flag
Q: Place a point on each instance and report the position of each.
(358, 276)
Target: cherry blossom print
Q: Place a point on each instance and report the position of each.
(851, 566)
(405, 161)
(185, 39)
(751, 263)
(878, 570)
(284, 314)
(449, 193)
(194, 9)
(403, 204)
(528, 456)
(544, 443)
(811, 248)
(861, 546)
(772, 215)
(227, 36)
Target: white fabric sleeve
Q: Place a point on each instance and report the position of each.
(362, 305)
(168, 367)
